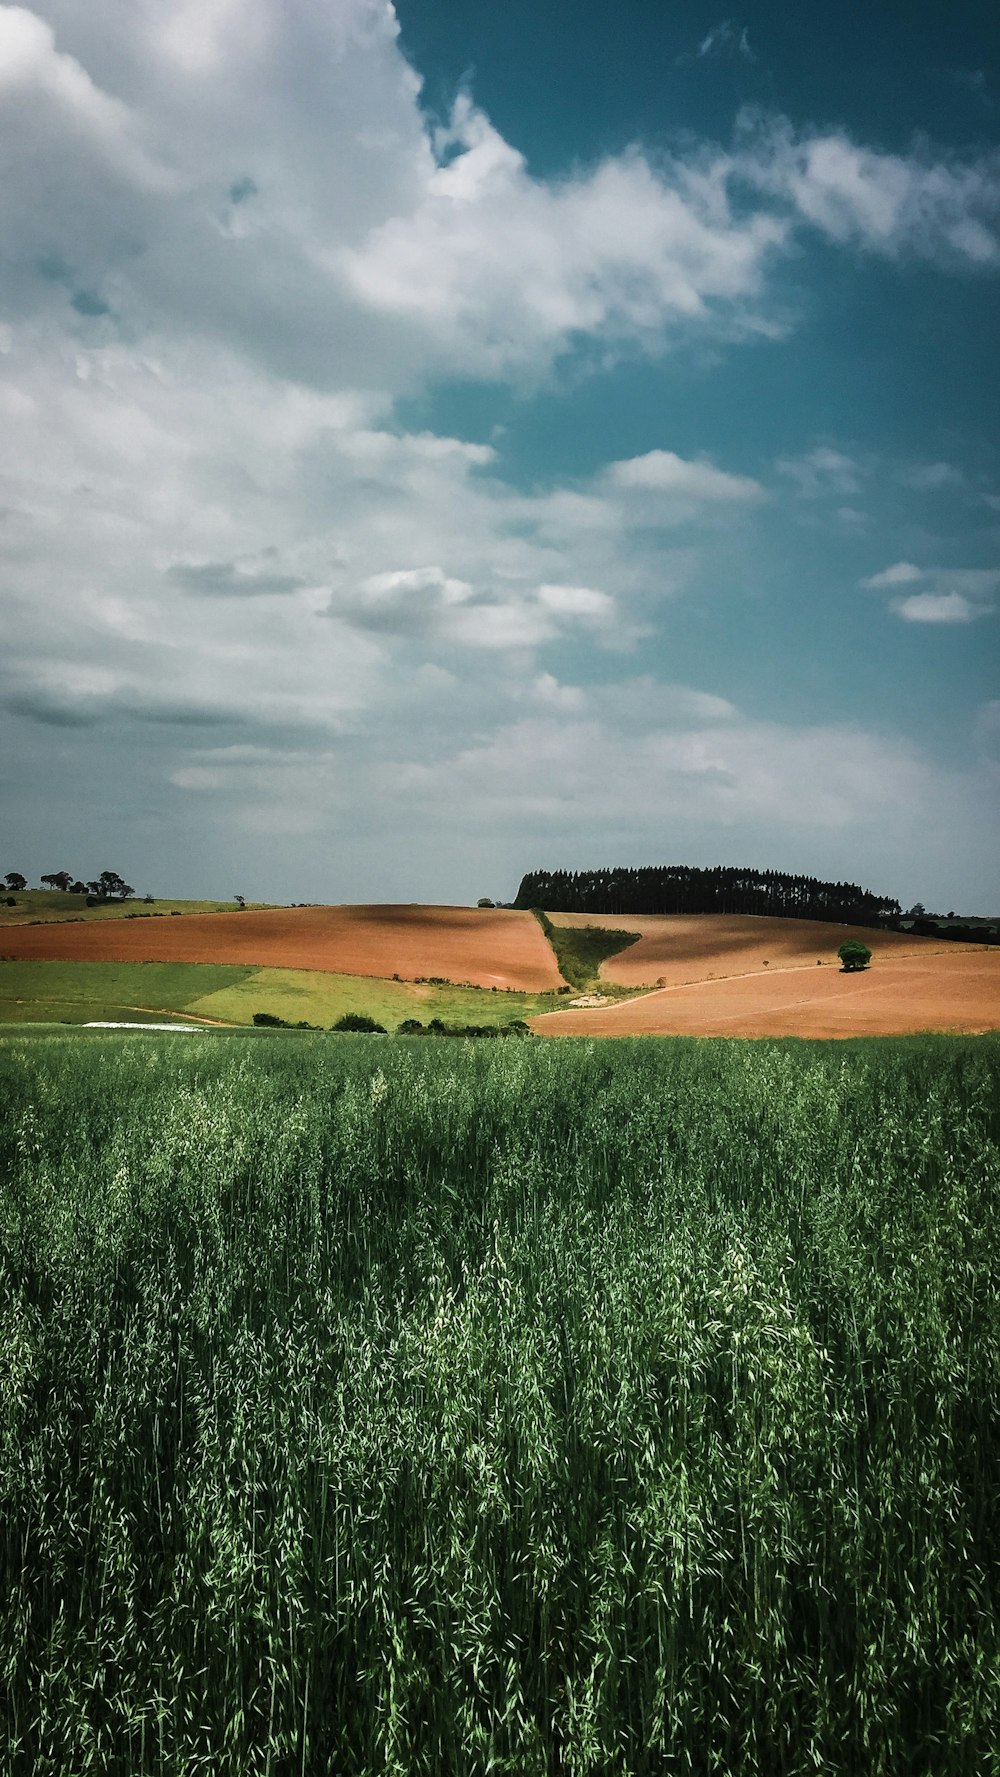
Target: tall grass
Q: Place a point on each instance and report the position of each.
(386, 1408)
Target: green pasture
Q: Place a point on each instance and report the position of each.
(80, 992)
(580, 951)
(76, 993)
(436, 1409)
(35, 906)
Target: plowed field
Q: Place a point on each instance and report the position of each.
(486, 947)
(682, 947)
(953, 990)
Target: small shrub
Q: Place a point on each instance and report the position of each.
(359, 1021)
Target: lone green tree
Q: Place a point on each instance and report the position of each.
(854, 955)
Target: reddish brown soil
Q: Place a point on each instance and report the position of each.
(681, 947)
(487, 947)
(957, 989)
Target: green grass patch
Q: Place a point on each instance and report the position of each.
(321, 999)
(580, 951)
(79, 992)
(36, 906)
(76, 993)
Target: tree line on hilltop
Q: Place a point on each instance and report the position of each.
(682, 888)
(109, 886)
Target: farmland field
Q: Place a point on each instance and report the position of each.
(711, 974)
(79, 992)
(374, 1406)
(947, 987)
(467, 945)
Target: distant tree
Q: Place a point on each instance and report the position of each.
(484, 901)
(16, 881)
(854, 955)
(111, 886)
(916, 911)
(58, 879)
(78, 888)
(241, 901)
(359, 1021)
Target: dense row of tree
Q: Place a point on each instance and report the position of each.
(680, 888)
(109, 886)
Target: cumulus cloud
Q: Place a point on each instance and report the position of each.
(952, 595)
(942, 208)
(506, 270)
(936, 607)
(231, 246)
(428, 604)
(663, 472)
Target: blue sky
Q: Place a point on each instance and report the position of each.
(444, 441)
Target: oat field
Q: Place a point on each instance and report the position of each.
(375, 1406)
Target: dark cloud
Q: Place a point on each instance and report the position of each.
(65, 709)
(86, 303)
(226, 579)
(54, 709)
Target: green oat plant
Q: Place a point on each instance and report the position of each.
(373, 1406)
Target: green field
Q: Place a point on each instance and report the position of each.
(386, 1407)
(78, 993)
(40, 906)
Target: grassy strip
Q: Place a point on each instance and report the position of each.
(77, 992)
(48, 906)
(298, 995)
(580, 951)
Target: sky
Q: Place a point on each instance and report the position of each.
(438, 442)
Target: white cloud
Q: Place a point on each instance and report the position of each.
(902, 573)
(663, 472)
(822, 471)
(936, 607)
(504, 270)
(893, 204)
(579, 771)
(953, 595)
(585, 603)
(726, 40)
(547, 690)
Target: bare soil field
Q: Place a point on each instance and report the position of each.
(953, 989)
(679, 947)
(487, 947)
